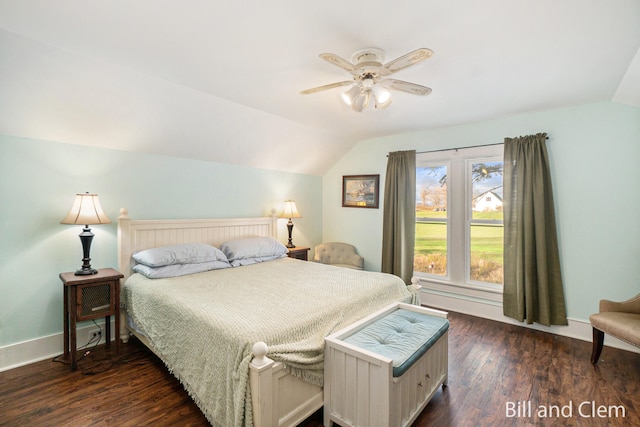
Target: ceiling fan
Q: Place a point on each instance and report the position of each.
(370, 83)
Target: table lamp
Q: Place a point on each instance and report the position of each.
(290, 211)
(86, 210)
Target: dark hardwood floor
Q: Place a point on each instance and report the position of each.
(495, 372)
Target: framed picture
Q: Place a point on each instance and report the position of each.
(360, 191)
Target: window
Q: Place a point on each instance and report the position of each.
(459, 222)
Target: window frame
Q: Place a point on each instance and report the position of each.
(459, 218)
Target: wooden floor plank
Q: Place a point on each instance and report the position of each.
(490, 365)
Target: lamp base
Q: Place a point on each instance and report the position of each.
(85, 238)
(85, 272)
(290, 229)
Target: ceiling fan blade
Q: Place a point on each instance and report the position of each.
(325, 87)
(337, 60)
(405, 61)
(406, 87)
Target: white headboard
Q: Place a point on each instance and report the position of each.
(137, 235)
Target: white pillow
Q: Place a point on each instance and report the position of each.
(251, 250)
(175, 270)
(188, 253)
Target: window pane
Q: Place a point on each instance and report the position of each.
(486, 227)
(486, 181)
(431, 185)
(431, 220)
(486, 253)
(430, 253)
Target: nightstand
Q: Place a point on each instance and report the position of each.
(299, 253)
(86, 298)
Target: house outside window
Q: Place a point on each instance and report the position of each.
(459, 220)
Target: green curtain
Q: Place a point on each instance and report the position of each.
(532, 279)
(399, 230)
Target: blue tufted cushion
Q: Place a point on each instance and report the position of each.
(402, 335)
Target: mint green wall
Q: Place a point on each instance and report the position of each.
(594, 152)
(38, 180)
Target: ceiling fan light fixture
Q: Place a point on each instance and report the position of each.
(350, 96)
(368, 81)
(381, 94)
(361, 102)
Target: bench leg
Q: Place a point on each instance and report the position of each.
(598, 341)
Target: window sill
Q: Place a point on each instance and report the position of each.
(460, 289)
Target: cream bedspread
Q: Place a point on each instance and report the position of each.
(203, 325)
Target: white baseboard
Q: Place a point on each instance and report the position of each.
(493, 310)
(35, 350)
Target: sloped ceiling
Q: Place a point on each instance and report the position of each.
(220, 81)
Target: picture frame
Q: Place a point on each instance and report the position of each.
(360, 191)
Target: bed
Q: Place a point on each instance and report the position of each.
(246, 342)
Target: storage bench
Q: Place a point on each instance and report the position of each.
(383, 370)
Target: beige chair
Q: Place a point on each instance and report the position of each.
(618, 319)
(339, 254)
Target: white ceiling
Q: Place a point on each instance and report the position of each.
(220, 80)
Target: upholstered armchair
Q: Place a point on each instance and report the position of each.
(339, 254)
(618, 319)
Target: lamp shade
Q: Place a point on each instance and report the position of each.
(290, 210)
(361, 102)
(86, 210)
(349, 96)
(382, 95)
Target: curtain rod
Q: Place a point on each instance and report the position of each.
(460, 148)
